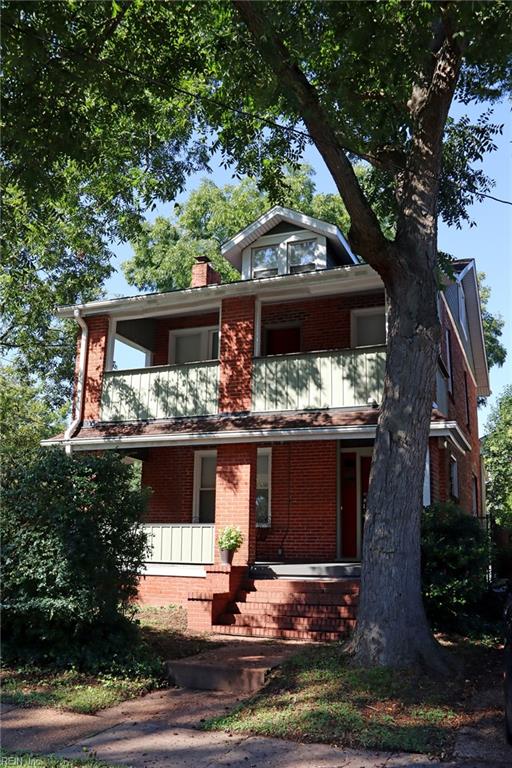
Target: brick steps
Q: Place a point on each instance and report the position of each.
(289, 609)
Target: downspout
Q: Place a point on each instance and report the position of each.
(80, 388)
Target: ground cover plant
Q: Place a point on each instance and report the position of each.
(319, 696)
(161, 635)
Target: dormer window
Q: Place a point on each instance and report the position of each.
(301, 256)
(265, 261)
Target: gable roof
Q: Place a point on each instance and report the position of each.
(466, 275)
(232, 249)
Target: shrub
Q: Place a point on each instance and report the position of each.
(455, 560)
(73, 547)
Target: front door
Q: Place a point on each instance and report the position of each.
(354, 482)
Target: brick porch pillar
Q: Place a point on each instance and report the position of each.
(96, 358)
(235, 498)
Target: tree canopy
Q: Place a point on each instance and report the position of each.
(497, 453)
(145, 93)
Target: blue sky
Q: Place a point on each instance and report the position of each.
(489, 242)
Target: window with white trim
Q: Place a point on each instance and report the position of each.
(448, 345)
(265, 261)
(263, 487)
(466, 400)
(426, 482)
(474, 495)
(301, 256)
(368, 327)
(205, 470)
(193, 345)
(454, 478)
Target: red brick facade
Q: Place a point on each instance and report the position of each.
(96, 358)
(236, 354)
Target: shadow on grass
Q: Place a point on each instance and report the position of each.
(318, 696)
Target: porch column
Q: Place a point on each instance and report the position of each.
(235, 497)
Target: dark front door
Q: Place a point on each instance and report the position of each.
(354, 482)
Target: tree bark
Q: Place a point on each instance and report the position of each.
(392, 628)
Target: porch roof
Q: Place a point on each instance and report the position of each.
(338, 424)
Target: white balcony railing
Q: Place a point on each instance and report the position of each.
(184, 543)
(334, 379)
(162, 392)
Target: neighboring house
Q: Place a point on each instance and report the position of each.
(257, 406)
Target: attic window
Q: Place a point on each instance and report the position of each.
(301, 256)
(264, 261)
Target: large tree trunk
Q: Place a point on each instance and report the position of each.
(392, 628)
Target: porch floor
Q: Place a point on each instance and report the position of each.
(287, 570)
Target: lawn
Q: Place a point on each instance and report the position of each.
(163, 636)
(318, 696)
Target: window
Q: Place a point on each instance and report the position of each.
(474, 496)
(466, 396)
(193, 345)
(265, 261)
(448, 344)
(368, 327)
(263, 483)
(454, 478)
(301, 256)
(205, 466)
(282, 341)
(426, 481)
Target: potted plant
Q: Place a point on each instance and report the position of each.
(229, 540)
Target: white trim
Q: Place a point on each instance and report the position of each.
(427, 493)
(206, 332)
(266, 452)
(162, 569)
(111, 342)
(448, 429)
(461, 344)
(362, 311)
(232, 248)
(349, 279)
(198, 458)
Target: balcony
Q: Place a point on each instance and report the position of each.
(333, 379)
(181, 544)
(161, 392)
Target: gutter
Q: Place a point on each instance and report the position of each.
(80, 389)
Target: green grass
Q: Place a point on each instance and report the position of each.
(163, 635)
(318, 696)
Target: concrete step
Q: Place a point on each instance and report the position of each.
(281, 634)
(294, 609)
(305, 570)
(237, 667)
(302, 623)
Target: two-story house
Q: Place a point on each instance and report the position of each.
(257, 406)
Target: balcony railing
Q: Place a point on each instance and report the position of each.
(180, 543)
(162, 392)
(335, 379)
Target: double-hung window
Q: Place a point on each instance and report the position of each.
(263, 487)
(265, 261)
(368, 327)
(454, 478)
(448, 352)
(301, 256)
(205, 467)
(192, 345)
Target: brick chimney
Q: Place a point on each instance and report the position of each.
(203, 273)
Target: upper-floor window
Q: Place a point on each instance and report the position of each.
(368, 327)
(301, 256)
(448, 345)
(265, 261)
(192, 345)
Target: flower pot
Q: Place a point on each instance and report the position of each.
(226, 556)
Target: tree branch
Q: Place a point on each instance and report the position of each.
(365, 234)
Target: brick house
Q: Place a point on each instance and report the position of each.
(257, 406)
